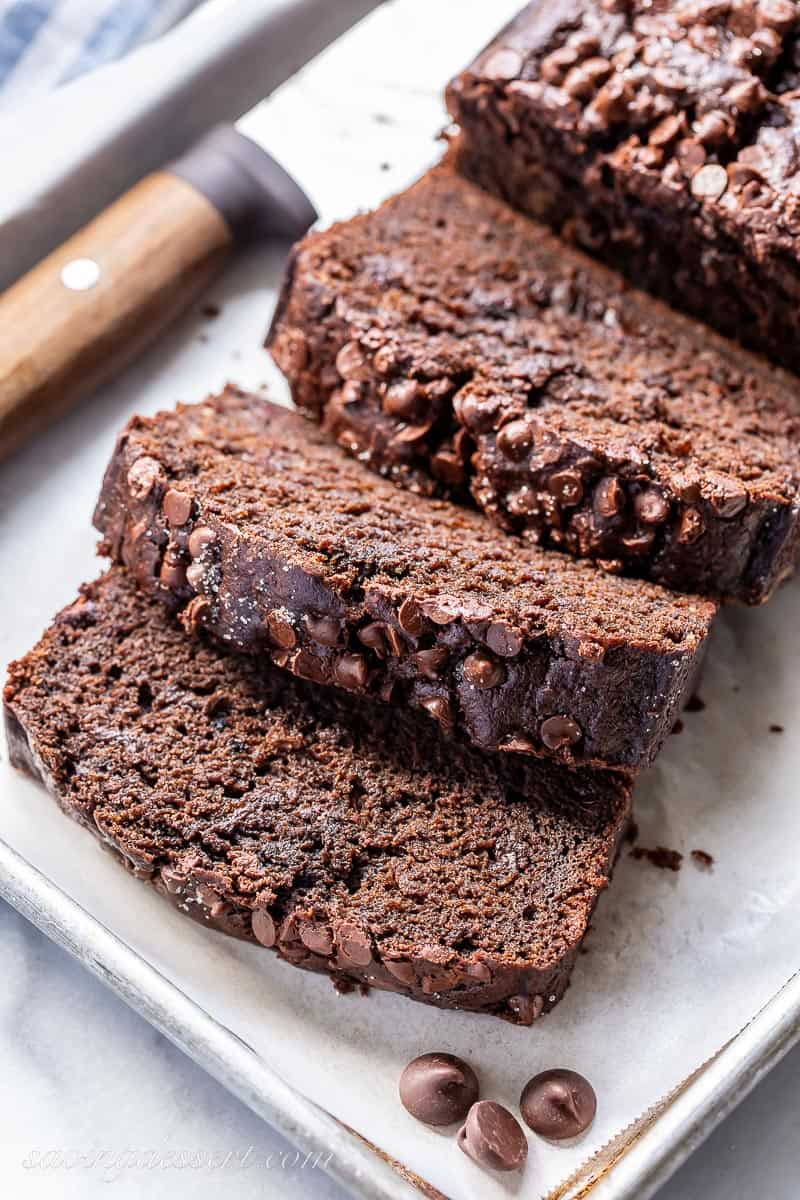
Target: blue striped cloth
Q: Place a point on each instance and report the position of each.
(44, 43)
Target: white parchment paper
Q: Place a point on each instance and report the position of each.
(676, 962)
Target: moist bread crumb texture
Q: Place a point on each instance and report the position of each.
(349, 837)
(455, 346)
(244, 517)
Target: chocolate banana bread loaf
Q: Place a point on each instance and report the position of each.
(663, 137)
(248, 519)
(448, 343)
(347, 836)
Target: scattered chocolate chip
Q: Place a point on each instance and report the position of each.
(351, 671)
(609, 497)
(694, 704)
(281, 630)
(432, 663)
(662, 857)
(354, 944)
(702, 859)
(558, 732)
(177, 507)
(440, 709)
(402, 399)
(710, 182)
(526, 1009)
(515, 440)
(482, 671)
(200, 540)
(504, 63)
(410, 617)
(372, 636)
(567, 487)
(438, 1089)
(401, 970)
(263, 927)
(324, 630)
(776, 729)
(492, 1137)
(316, 938)
(143, 476)
(558, 1104)
(677, 727)
(652, 507)
(504, 640)
(350, 362)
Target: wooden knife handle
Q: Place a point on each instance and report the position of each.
(88, 308)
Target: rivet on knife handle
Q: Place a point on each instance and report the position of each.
(87, 309)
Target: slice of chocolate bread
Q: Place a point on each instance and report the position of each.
(664, 137)
(349, 837)
(450, 343)
(246, 517)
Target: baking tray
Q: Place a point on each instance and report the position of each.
(361, 141)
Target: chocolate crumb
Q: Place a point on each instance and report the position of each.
(632, 832)
(386, 166)
(776, 729)
(662, 856)
(342, 984)
(703, 859)
(694, 704)
(677, 727)
(211, 311)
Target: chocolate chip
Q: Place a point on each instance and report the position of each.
(200, 540)
(290, 350)
(668, 130)
(504, 63)
(308, 666)
(143, 476)
(609, 497)
(177, 507)
(172, 573)
(567, 487)
(402, 399)
(432, 663)
(350, 362)
(354, 944)
(396, 644)
(710, 182)
(438, 1089)
(746, 96)
(316, 938)
(482, 671)
(493, 1138)
(691, 526)
(324, 630)
(410, 617)
(281, 630)
(401, 970)
(351, 671)
(526, 1009)
(409, 434)
(504, 640)
(195, 576)
(515, 440)
(728, 498)
(440, 709)
(372, 636)
(479, 971)
(558, 732)
(652, 507)
(263, 927)
(443, 610)
(558, 1104)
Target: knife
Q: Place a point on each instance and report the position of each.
(86, 310)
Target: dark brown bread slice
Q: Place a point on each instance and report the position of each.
(448, 342)
(245, 516)
(663, 137)
(350, 837)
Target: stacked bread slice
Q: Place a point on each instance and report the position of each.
(380, 705)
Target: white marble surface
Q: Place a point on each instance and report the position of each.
(83, 1074)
